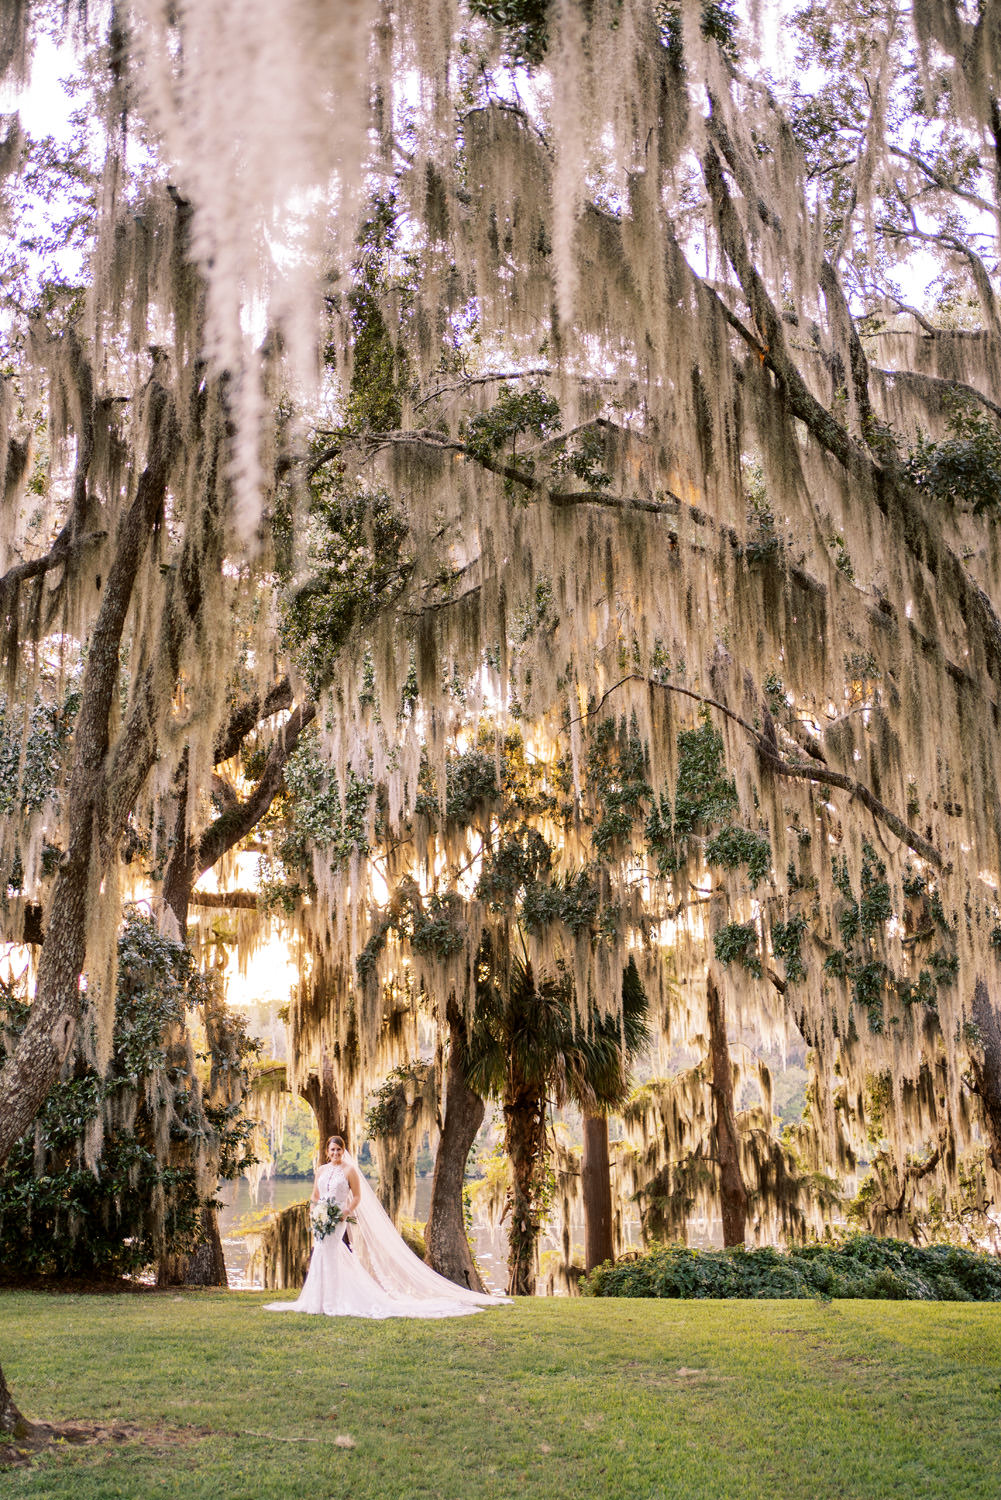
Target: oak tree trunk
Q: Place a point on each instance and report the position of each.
(320, 1093)
(12, 1424)
(596, 1184)
(448, 1250)
(33, 1068)
(733, 1193)
(206, 1263)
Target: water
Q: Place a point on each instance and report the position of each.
(241, 1214)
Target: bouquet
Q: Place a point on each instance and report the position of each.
(325, 1216)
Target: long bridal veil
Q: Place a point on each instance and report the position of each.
(393, 1264)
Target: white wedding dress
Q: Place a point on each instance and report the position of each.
(379, 1277)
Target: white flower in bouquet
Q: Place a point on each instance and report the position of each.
(326, 1216)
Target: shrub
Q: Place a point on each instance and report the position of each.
(861, 1266)
(66, 1210)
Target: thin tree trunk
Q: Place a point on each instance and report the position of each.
(525, 1142)
(733, 1193)
(985, 1063)
(596, 1184)
(448, 1250)
(205, 1265)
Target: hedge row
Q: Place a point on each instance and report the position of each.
(862, 1266)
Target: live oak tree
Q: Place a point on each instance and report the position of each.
(698, 297)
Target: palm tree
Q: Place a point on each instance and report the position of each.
(530, 1047)
(596, 1183)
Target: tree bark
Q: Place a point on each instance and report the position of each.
(985, 1064)
(55, 1012)
(597, 1189)
(733, 1193)
(525, 1140)
(206, 1263)
(12, 1424)
(205, 1266)
(178, 877)
(448, 1250)
(320, 1093)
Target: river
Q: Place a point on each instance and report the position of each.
(240, 1216)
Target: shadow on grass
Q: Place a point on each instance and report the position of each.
(39, 1438)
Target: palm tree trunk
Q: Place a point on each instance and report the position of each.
(733, 1193)
(597, 1189)
(448, 1250)
(525, 1142)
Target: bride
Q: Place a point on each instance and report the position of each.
(378, 1277)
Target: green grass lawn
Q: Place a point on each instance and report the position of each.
(593, 1398)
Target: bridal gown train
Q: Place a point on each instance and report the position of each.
(396, 1285)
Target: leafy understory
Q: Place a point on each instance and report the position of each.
(862, 1267)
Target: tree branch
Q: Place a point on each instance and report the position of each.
(941, 181)
(237, 821)
(802, 770)
(227, 900)
(891, 494)
(246, 715)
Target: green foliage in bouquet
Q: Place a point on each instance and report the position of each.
(326, 1217)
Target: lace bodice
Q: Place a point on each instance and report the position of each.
(332, 1182)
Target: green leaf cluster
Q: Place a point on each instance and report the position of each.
(321, 817)
(514, 414)
(787, 938)
(60, 1217)
(357, 564)
(30, 764)
(963, 469)
(862, 1267)
(737, 942)
(386, 1117)
(618, 784)
(862, 962)
(524, 24)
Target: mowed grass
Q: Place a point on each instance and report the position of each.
(604, 1398)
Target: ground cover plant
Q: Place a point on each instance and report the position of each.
(862, 1267)
(596, 1398)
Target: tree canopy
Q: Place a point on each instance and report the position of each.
(600, 371)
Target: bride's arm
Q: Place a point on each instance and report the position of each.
(355, 1185)
(316, 1187)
